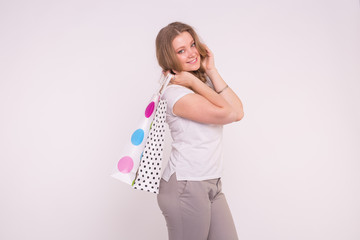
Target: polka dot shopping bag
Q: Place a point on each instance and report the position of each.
(141, 157)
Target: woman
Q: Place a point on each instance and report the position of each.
(199, 104)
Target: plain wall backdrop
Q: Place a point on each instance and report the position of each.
(75, 75)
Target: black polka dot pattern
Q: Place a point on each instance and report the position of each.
(149, 172)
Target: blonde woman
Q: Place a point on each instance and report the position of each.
(199, 104)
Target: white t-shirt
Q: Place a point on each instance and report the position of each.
(196, 152)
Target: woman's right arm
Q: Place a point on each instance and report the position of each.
(205, 106)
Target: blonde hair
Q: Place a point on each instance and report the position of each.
(166, 54)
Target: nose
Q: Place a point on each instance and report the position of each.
(192, 52)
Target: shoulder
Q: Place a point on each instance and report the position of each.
(174, 91)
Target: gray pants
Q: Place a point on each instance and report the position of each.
(196, 210)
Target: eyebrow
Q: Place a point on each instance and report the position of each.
(192, 41)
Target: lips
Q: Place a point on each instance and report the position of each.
(193, 61)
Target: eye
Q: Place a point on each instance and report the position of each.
(181, 51)
(193, 45)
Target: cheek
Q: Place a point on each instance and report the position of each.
(197, 52)
(181, 58)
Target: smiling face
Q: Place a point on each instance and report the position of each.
(186, 52)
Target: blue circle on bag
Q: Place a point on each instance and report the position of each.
(137, 137)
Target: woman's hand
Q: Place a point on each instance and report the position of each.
(209, 62)
(183, 78)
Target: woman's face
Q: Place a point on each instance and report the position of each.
(186, 52)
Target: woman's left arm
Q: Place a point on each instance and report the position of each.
(220, 85)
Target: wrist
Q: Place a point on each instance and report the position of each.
(196, 84)
(211, 72)
(192, 80)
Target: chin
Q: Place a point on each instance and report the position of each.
(192, 68)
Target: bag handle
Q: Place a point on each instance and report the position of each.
(164, 81)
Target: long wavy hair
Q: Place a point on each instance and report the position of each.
(166, 54)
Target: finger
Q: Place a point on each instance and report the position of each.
(208, 49)
(166, 73)
(172, 80)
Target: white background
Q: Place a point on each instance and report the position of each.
(75, 74)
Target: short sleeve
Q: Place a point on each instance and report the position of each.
(172, 94)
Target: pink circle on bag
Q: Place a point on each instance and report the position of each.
(149, 109)
(125, 164)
